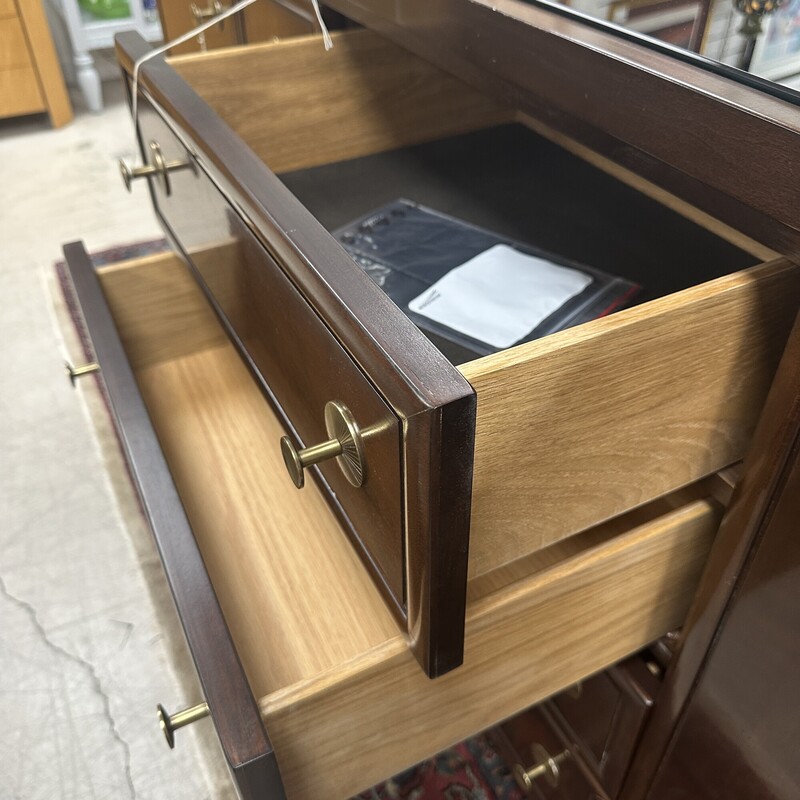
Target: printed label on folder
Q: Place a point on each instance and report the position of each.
(500, 295)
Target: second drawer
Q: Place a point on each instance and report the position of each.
(323, 660)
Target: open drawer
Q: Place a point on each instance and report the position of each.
(299, 658)
(464, 469)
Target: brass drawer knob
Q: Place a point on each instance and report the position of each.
(346, 445)
(158, 168)
(546, 766)
(77, 372)
(171, 722)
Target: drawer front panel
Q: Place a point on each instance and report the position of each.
(298, 361)
(589, 709)
(606, 717)
(227, 692)
(521, 741)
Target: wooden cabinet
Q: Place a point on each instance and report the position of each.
(516, 523)
(30, 76)
(263, 21)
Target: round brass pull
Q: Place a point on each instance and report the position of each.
(171, 722)
(78, 372)
(158, 167)
(346, 445)
(546, 766)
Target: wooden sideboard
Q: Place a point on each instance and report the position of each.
(265, 21)
(30, 75)
(484, 535)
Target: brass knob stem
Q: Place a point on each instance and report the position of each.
(346, 445)
(77, 372)
(172, 722)
(158, 168)
(546, 766)
(213, 10)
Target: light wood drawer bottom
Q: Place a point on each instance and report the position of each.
(344, 701)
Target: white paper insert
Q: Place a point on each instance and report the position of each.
(500, 295)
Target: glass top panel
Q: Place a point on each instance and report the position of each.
(754, 41)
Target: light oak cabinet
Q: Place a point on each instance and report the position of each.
(263, 21)
(30, 75)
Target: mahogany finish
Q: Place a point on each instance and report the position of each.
(434, 403)
(225, 688)
(599, 720)
(752, 503)
(514, 741)
(295, 359)
(738, 736)
(621, 98)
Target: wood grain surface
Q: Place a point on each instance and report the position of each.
(13, 46)
(19, 92)
(262, 21)
(435, 402)
(592, 421)
(296, 597)
(222, 679)
(523, 644)
(158, 310)
(317, 641)
(298, 106)
(45, 61)
(762, 489)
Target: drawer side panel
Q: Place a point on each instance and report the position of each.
(588, 423)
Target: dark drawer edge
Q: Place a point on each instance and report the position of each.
(233, 708)
(427, 393)
(517, 51)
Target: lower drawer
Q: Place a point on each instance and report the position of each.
(604, 717)
(264, 576)
(543, 759)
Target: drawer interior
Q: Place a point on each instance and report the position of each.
(353, 129)
(319, 646)
(586, 424)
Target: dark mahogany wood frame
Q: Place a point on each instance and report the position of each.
(725, 147)
(764, 502)
(435, 405)
(233, 708)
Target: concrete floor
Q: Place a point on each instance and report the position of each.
(89, 641)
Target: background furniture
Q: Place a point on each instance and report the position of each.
(30, 76)
(265, 20)
(88, 33)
